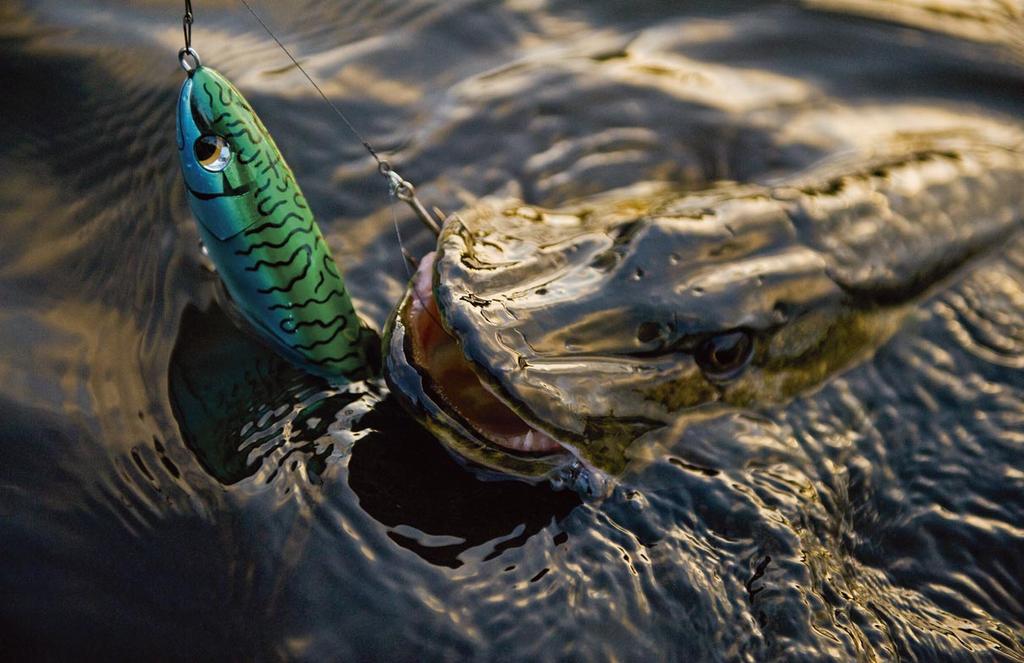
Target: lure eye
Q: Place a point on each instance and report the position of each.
(724, 357)
(213, 153)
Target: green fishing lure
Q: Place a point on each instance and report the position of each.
(260, 233)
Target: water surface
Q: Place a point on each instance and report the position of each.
(169, 489)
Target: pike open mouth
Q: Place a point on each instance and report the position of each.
(452, 381)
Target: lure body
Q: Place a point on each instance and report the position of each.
(260, 233)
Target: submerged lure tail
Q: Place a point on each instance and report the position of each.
(260, 233)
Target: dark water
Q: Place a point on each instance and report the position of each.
(170, 490)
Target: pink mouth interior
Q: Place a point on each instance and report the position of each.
(454, 380)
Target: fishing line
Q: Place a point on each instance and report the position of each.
(397, 186)
(355, 132)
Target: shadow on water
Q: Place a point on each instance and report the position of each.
(405, 479)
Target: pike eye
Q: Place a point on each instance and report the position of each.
(724, 357)
(213, 153)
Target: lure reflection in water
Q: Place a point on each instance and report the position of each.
(260, 233)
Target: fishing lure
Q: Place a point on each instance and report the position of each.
(259, 231)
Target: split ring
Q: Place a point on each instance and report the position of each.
(189, 60)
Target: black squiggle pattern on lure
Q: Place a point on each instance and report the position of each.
(306, 230)
(295, 291)
(292, 306)
(280, 263)
(272, 224)
(317, 344)
(289, 324)
(291, 283)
